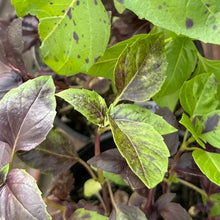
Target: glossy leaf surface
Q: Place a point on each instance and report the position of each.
(208, 164)
(143, 148)
(135, 113)
(57, 149)
(198, 96)
(125, 212)
(185, 120)
(15, 199)
(27, 113)
(181, 59)
(88, 103)
(83, 214)
(73, 33)
(194, 18)
(211, 128)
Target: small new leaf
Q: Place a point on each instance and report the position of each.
(83, 214)
(88, 103)
(91, 187)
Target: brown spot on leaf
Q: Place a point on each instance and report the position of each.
(159, 7)
(95, 1)
(78, 56)
(95, 59)
(65, 24)
(164, 3)
(105, 21)
(77, 2)
(208, 5)
(74, 22)
(189, 23)
(75, 37)
(63, 11)
(51, 3)
(121, 1)
(55, 58)
(82, 35)
(69, 14)
(206, 11)
(214, 27)
(87, 60)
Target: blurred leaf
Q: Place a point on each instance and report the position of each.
(194, 18)
(215, 211)
(120, 7)
(211, 128)
(208, 164)
(88, 103)
(181, 58)
(145, 152)
(185, 121)
(57, 149)
(3, 174)
(91, 187)
(83, 214)
(209, 66)
(20, 198)
(125, 212)
(73, 33)
(135, 113)
(171, 210)
(27, 113)
(198, 96)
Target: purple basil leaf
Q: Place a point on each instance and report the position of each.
(9, 79)
(186, 165)
(112, 161)
(27, 113)
(20, 198)
(209, 187)
(5, 154)
(171, 140)
(125, 212)
(57, 149)
(170, 210)
(164, 199)
(174, 211)
(137, 200)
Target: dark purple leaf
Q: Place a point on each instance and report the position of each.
(27, 114)
(112, 161)
(57, 149)
(125, 212)
(8, 79)
(20, 198)
(170, 210)
(174, 211)
(171, 140)
(164, 200)
(137, 200)
(209, 186)
(186, 165)
(5, 153)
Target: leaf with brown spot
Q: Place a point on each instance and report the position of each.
(61, 26)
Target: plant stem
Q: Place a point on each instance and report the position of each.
(149, 200)
(101, 178)
(111, 194)
(82, 162)
(197, 189)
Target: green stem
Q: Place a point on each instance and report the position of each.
(82, 162)
(111, 194)
(190, 185)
